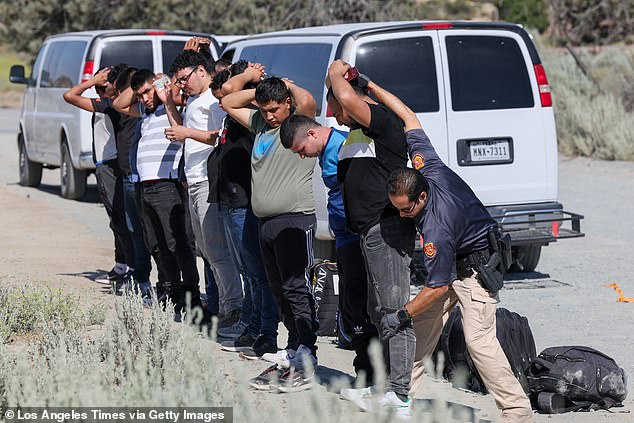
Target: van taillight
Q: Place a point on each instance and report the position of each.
(328, 112)
(89, 68)
(544, 88)
(438, 25)
(156, 33)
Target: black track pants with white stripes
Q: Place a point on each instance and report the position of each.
(286, 242)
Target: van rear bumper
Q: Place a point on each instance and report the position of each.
(86, 160)
(537, 224)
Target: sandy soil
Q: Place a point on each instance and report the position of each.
(62, 243)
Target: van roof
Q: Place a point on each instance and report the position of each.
(120, 32)
(367, 28)
(348, 29)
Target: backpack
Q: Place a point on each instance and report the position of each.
(575, 379)
(325, 288)
(516, 339)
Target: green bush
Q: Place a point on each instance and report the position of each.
(594, 110)
(29, 308)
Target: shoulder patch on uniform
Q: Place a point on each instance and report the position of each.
(418, 161)
(430, 249)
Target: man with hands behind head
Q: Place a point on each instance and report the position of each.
(282, 199)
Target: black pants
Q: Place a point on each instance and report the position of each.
(353, 303)
(110, 187)
(286, 243)
(164, 228)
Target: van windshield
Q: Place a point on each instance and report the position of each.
(305, 63)
(405, 67)
(134, 53)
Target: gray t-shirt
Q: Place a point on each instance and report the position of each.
(281, 181)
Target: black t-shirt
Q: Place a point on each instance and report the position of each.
(125, 138)
(366, 159)
(125, 131)
(229, 166)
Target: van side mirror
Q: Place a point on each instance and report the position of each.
(16, 74)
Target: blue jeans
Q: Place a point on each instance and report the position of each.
(143, 265)
(242, 232)
(387, 248)
(212, 244)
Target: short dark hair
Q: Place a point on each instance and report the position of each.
(219, 79)
(222, 64)
(115, 71)
(140, 77)
(239, 67)
(190, 58)
(292, 126)
(407, 181)
(124, 78)
(271, 89)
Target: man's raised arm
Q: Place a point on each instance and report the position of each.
(235, 104)
(127, 102)
(396, 105)
(74, 95)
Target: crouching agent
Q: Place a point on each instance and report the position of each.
(458, 251)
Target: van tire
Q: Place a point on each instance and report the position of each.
(30, 172)
(72, 181)
(325, 250)
(525, 258)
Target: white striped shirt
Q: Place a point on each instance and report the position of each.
(157, 157)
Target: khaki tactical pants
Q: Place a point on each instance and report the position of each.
(478, 319)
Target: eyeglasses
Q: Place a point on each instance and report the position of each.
(410, 208)
(182, 81)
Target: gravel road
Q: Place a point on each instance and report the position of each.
(46, 239)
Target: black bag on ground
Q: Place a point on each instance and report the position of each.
(576, 378)
(516, 339)
(325, 285)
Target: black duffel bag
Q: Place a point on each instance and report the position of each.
(575, 378)
(516, 340)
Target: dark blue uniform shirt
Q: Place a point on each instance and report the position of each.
(454, 222)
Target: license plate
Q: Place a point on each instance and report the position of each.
(490, 151)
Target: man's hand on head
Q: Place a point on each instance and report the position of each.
(338, 68)
(101, 77)
(254, 72)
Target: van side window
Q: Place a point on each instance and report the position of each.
(487, 72)
(305, 63)
(136, 53)
(63, 64)
(37, 68)
(170, 49)
(404, 66)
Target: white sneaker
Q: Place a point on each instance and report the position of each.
(281, 358)
(303, 353)
(232, 331)
(388, 401)
(354, 395)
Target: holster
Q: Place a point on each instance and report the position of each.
(492, 263)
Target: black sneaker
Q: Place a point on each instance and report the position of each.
(295, 380)
(268, 378)
(243, 343)
(260, 347)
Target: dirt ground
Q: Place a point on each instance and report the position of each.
(61, 243)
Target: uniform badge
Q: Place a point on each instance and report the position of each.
(418, 161)
(430, 249)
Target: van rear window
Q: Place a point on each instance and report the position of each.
(406, 67)
(487, 73)
(135, 53)
(171, 49)
(306, 64)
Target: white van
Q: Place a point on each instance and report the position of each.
(53, 133)
(480, 91)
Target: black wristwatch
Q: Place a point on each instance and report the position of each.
(403, 316)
